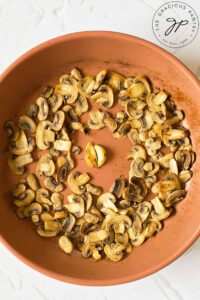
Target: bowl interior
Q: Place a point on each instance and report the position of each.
(92, 52)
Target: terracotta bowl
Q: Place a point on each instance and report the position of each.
(92, 51)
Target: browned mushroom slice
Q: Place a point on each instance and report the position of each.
(136, 90)
(25, 199)
(18, 189)
(81, 105)
(62, 145)
(86, 85)
(68, 88)
(46, 233)
(68, 223)
(77, 208)
(104, 96)
(32, 181)
(133, 136)
(152, 146)
(93, 189)
(159, 98)
(33, 210)
(51, 184)
(185, 175)
(17, 164)
(27, 124)
(106, 200)
(40, 139)
(122, 131)
(159, 212)
(65, 244)
(144, 81)
(96, 120)
(47, 91)
(45, 166)
(87, 197)
(76, 182)
(76, 73)
(91, 218)
(51, 225)
(100, 78)
(134, 109)
(174, 134)
(55, 102)
(152, 227)
(22, 145)
(42, 196)
(115, 81)
(137, 151)
(118, 186)
(110, 123)
(58, 121)
(12, 130)
(184, 159)
(175, 197)
(57, 200)
(144, 210)
(114, 251)
(136, 168)
(32, 111)
(45, 216)
(119, 223)
(43, 108)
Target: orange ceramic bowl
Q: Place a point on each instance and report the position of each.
(128, 55)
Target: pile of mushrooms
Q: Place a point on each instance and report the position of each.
(99, 224)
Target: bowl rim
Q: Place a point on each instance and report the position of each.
(185, 70)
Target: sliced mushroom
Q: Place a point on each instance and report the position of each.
(76, 182)
(152, 227)
(76, 73)
(115, 81)
(32, 182)
(42, 196)
(114, 251)
(18, 189)
(40, 141)
(45, 216)
(134, 109)
(110, 123)
(57, 201)
(68, 223)
(93, 189)
(119, 223)
(51, 184)
(17, 164)
(185, 176)
(118, 186)
(175, 197)
(27, 124)
(62, 145)
(32, 209)
(32, 111)
(47, 91)
(122, 131)
(87, 197)
(136, 168)
(137, 151)
(86, 85)
(81, 105)
(58, 121)
(51, 225)
(22, 144)
(160, 212)
(104, 96)
(45, 166)
(106, 200)
(46, 233)
(12, 130)
(65, 244)
(68, 88)
(55, 102)
(77, 207)
(100, 78)
(43, 108)
(96, 120)
(25, 199)
(144, 210)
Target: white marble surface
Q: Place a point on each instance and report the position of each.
(26, 23)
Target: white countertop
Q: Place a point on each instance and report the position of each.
(26, 23)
